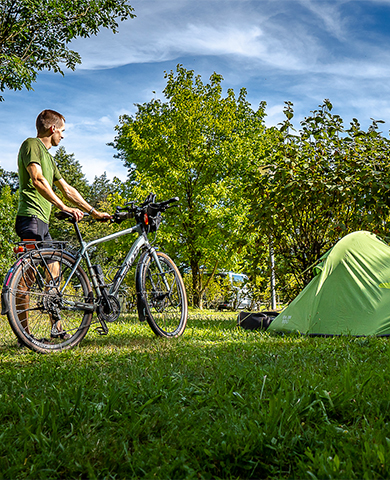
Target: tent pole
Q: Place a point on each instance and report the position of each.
(273, 293)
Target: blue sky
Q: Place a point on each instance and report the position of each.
(301, 51)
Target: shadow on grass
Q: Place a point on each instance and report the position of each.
(218, 402)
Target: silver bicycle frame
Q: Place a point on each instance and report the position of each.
(127, 263)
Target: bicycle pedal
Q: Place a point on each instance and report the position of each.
(101, 331)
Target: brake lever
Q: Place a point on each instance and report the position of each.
(126, 207)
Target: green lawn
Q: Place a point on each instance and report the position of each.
(219, 402)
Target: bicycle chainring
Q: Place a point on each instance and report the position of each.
(110, 312)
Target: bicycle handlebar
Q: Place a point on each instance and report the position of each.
(149, 207)
(164, 204)
(130, 210)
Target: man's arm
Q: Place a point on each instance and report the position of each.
(44, 188)
(70, 193)
(74, 196)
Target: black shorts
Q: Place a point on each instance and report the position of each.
(32, 228)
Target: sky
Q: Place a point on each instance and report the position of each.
(301, 51)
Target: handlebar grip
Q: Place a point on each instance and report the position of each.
(171, 200)
(62, 215)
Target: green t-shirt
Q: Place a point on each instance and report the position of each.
(31, 201)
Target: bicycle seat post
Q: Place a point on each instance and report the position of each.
(78, 233)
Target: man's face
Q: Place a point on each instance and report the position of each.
(57, 135)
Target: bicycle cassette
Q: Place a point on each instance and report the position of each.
(110, 312)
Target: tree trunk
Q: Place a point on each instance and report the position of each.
(197, 300)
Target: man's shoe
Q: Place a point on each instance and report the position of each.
(55, 333)
(20, 344)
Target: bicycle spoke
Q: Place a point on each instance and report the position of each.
(39, 316)
(164, 294)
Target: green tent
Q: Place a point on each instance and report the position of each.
(350, 293)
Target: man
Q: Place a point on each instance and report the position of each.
(37, 173)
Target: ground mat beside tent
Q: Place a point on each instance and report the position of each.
(349, 295)
(255, 320)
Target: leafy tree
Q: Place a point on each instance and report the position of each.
(35, 34)
(102, 188)
(9, 178)
(8, 208)
(71, 170)
(193, 146)
(310, 189)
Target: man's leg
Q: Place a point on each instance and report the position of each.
(29, 228)
(53, 285)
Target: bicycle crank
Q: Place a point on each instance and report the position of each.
(109, 309)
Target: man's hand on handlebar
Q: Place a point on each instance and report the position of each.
(77, 213)
(101, 216)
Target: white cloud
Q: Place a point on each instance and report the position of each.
(298, 50)
(247, 29)
(267, 33)
(274, 115)
(329, 15)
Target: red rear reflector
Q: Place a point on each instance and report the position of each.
(26, 246)
(29, 246)
(146, 219)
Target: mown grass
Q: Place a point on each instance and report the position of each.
(219, 402)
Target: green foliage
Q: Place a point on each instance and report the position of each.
(102, 188)
(9, 178)
(71, 171)
(219, 402)
(34, 34)
(216, 290)
(193, 146)
(310, 189)
(8, 208)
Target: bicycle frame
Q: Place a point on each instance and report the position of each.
(50, 295)
(138, 244)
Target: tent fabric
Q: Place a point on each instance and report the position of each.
(350, 294)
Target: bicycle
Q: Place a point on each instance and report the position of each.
(50, 301)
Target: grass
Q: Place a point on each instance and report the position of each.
(219, 402)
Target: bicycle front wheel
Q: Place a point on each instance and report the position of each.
(163, 295)
(44, 316)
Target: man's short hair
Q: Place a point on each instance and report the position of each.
(47, 118)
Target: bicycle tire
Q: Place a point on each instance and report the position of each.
(32, 294)
(165, 309)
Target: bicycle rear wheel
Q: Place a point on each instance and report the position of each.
(42, 317)
(163, 295)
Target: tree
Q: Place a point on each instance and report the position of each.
(9, 178)
(309, 190)
(35, 34)
(71, 171)
(102, 188)
(192, 146)
(8, 208)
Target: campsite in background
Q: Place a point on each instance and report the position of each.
(296, 191)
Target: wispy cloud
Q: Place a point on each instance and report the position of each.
(298, 50)
(293, 36)
(330, 16)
